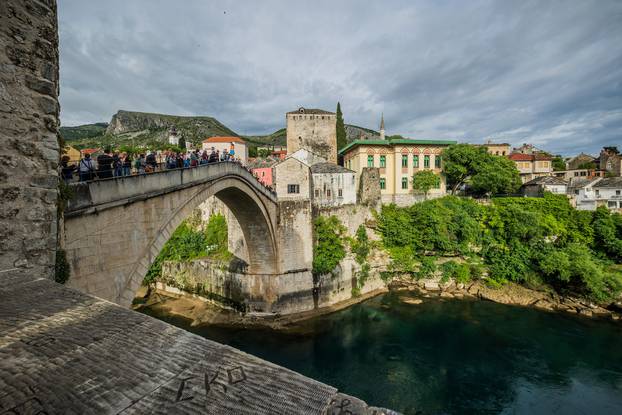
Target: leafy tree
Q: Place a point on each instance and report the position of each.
(486, 173)
(558, 163)
(263, 153)
(460, 162)
(182, 143)
(252, 152)
(424, 181)
(329, 248)
(341, 129)
(495, 175)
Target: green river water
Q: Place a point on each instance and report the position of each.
(450, 357)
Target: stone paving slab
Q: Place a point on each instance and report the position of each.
(64, 352)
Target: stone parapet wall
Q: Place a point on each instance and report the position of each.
(29, 151)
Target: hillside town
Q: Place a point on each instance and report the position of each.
(311, 166)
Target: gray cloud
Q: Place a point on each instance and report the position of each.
(549, 73)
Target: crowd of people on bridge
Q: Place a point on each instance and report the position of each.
(114, 164)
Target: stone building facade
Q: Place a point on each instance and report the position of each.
(610, 160)
(314, 130)
(29, 149)
(397, 161)
(532, 165)
(333, 185)
(291, 179)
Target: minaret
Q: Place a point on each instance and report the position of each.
(382, 126)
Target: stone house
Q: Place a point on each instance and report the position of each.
(291, 179)
(539, 185)
(306, 175)
(590, 194)
(225, 144)
(397, 160)
(531, 166)
(587, 173)
(333, 185)
(578, 162)
(610, 160)
(314, 130)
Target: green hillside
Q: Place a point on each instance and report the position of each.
(83, 131)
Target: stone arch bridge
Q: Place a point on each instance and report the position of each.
(114, 229)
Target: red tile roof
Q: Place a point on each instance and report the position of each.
(224, 140)
(89, 150)
(521, 157)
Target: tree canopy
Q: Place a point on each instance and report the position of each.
(485, 173)
(341, 129)
(425, 180)
(558, 164)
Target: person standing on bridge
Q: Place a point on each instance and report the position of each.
(127, 164)
(86, 170)
(117, 164)
(104, 165)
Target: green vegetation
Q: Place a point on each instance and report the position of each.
(329, 247)
(341, 129)
(62, 271)
(484, 173)
(424, 181)
(360, 247)
(558, 163)
(590, 165)
(541, 241)
(189, 242)
(83, 131)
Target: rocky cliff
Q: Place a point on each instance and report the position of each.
(130, 121)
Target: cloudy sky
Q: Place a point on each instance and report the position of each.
(544, 72)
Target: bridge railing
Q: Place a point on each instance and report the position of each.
(99, 192)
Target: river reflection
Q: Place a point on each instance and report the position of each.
(452, 357)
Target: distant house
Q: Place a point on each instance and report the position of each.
(532, 165)
(610, 160)
(333, 185)
(580, 161)
(590, 194)
(539, 185)
(94, 152)
(587, 173)
(73, 154)
(497, 149)
(226, 144)
(262, 168)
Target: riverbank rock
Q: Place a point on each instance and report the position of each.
(411, 300)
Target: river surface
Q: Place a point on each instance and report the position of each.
(450, 357)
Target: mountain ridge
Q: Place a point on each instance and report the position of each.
(152, 130)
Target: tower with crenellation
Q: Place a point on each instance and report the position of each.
(314, 130)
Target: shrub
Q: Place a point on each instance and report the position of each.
(328, 249)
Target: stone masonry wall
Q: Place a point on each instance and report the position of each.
(29, 150)
(316, 133)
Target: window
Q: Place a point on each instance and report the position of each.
(404, 183)
(370, 161)
(437, 162)
(340, 192)
(617, 193)
(576, 173)
(612, 204)
(317, 193)
(383, 184)
(263, 173)
(415, 161)
(328, 193)
(426, 162)
(597, 192)
(293, 188)
(383, 161)
(404, 160)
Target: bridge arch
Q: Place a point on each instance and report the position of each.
(147, 210)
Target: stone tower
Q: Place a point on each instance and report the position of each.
(382, 126)
(173, 137)
(314, 130)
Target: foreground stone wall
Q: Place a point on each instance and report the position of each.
(29, 151)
